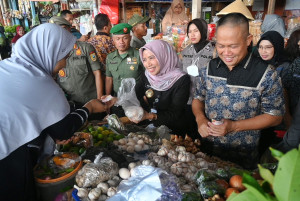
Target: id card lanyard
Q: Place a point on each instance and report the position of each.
(193, 69)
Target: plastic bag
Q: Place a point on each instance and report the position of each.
(164, 132)
(150, 184)
(115, 123)
(92, 174)
(128, 100)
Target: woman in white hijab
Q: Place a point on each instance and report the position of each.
(32, 106)
(175, 15)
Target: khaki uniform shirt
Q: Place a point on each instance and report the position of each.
(128, 67)
(77, 78)
(200, 59)
(137, 43)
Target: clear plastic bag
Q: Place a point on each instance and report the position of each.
(128, 100)
(150, 184)
(92, 174)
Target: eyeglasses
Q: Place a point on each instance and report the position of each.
(268, 48)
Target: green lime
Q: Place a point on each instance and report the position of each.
(110, 139)
(85, 130)
(94, 133)
(118, 137)
(91, 128)
(81, 150)
(100, 136)
(100, 129)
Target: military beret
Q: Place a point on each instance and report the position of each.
(122, 28)
(59, 21)
(137, 19)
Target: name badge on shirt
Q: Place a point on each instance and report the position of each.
(193, 70)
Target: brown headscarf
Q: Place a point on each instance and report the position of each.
(173, 18)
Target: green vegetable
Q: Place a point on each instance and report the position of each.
(205, 175)
(191, 196)
(81, 150)
(286, 182)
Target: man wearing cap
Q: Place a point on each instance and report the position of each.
(139, 30)
(122, 63)
(81, 78)
(237, 95)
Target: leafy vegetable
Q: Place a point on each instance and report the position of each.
(286, 182)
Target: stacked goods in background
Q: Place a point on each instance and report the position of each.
(255, 30)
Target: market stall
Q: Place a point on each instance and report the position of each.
(118, 161)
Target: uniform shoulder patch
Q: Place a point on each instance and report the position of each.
(62, 73)
(93, 56)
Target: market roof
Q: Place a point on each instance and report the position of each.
(236, 7)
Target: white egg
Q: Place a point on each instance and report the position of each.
(130, 149)
(137, 148)
(124, 173)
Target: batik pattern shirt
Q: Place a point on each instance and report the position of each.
(250, 89)
(103, 44)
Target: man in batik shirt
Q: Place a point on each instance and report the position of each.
(238, 91)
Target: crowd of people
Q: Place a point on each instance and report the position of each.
(224, 92)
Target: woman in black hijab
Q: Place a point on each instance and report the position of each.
(194, 57)
(271, 49)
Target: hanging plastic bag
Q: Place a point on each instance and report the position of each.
(128, 100)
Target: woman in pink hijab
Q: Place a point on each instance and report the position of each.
(163, 90)
(175, 15)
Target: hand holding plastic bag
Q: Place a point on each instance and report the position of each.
(128, 100)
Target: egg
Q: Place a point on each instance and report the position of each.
(130, 149)
(124, 173)
(137, 148)
(122, 141)
(140, 142)
(131, 165)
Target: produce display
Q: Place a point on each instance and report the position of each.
(185, 173)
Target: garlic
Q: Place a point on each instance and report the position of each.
(103, 186)
(122, 141)
(151, 155)
(94, 194)
(82, 192)
(131, 165)
(116, 178)
(111, 191)
(116, 142)
(146, 162)
(102, 198)
(112, 183)
(146, 147)
(132, 143)
(162, 151)
(124, 147)
(124, 173)
(180, 149)
(131, 134)
(136, 139)
(140, 142)
(138, 148)
(130, 149)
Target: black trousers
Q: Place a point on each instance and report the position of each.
(16, 175)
